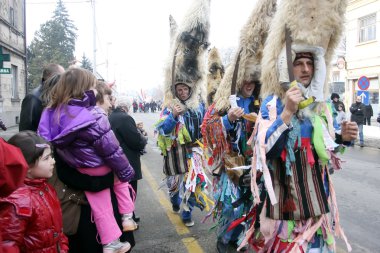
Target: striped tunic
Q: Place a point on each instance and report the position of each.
(306, 184)
(175, 162)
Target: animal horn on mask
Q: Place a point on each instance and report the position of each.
(187, 57)
(246, 66)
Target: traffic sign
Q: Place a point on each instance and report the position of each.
(363, 83)
(364, 95)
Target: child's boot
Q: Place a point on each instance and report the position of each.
(128, 223)
(116, 247)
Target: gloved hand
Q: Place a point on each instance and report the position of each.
(315, 89)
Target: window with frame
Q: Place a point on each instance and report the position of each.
(14, 82)
(367, 28)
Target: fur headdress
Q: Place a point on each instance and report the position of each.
(214, 75)
(316, 23)
(187, 57)
(248, 57)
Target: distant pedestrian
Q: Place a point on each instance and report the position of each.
(336, 102)
(140, 128)
(368, 114)
(357, 110)
(135, 106)
(341, 115)
(2, 126)
(143, 133)
(32, 105)
(31, 218)
(86, 142)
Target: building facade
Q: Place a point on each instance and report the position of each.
(363, 50)
(12, 45)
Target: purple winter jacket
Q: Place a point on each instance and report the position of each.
(83, 137)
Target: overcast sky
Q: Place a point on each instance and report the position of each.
(135, 34)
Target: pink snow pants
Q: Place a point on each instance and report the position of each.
(101, 205)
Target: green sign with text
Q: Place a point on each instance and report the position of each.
(3, 58)
(5, 71)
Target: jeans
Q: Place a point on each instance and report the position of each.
(176, 202)
(361, 137)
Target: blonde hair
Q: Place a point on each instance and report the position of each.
(72, 84)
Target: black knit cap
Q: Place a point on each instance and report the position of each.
(304, 55)
(334, 95)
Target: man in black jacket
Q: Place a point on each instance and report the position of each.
(31, 107)
(131, 141)
(368, 114)
(357, 110)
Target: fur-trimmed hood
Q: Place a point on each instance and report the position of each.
(252, 39)
(186, 62)
(316, 23)
(214, 75)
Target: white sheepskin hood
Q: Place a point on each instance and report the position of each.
(252, 39)
(316, 23)
(186, 61)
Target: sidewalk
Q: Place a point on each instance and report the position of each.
(371, 136)
(9, 133)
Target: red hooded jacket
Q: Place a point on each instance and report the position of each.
(31, 219)
(13, 169)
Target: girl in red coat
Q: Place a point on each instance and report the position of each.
(31, 218)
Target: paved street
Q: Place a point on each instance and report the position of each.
(162, 231)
